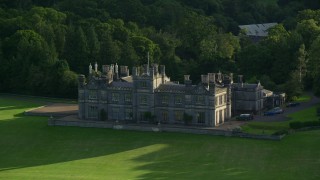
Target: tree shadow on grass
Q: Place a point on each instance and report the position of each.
(29, 141)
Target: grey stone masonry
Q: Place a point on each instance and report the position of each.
(148, 96)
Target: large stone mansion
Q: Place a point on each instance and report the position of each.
(149, 95)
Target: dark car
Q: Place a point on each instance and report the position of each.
(245, 117)
(269, 113)
(276, 110)
(293, 104)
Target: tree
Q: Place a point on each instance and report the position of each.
(76, 50)
(302, 68)
(93, 44)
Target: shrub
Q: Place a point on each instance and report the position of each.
(296, 125)
(281, 132)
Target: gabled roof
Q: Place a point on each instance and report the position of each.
(260, 30)
(127, 79)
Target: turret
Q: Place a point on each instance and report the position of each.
(96, 67)
(90, 69)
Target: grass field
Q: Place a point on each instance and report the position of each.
(29, 149)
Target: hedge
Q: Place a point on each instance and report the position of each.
(298, 124)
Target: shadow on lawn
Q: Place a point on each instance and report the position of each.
(28, 141)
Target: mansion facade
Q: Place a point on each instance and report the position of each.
(149, 95)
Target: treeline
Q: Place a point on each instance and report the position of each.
(45, 43)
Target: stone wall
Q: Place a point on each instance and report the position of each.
(161, 128)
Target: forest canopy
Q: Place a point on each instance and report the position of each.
(44, 44)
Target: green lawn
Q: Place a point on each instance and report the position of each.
(303, 98)
(29, 149)
(271, 127)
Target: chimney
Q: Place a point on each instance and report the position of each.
(90, 69)
(146, 69)
(163, 70)
(134, 71)
(96, 67)
(151, 73)
(204, 79)
(187, 80)
(212, 77)
(81, 79)
(112, 68)
(212, 82)
(219, 77)
(104, 69)
(240, 79)
(156, 69)
(231, 78)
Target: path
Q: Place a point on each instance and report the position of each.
(289, 110)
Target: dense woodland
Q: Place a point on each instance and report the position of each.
(44, 44)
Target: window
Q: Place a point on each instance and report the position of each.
(93, 94)
(220, 100)
(81, 93)
(104, 95)
(115, 113)
(93, 112)
(178, 116)
(115, 97)
(225, 99)
(143, 100)
(199, 99)
(201, 117)
(165, 99)
(216, 101)
(164, 116)
(128, 114)
(127, 97)
(143, 84)
(178, 99)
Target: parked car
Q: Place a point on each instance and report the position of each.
(269, 113)
(293, 104)
(276, 110)
(245, 117)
